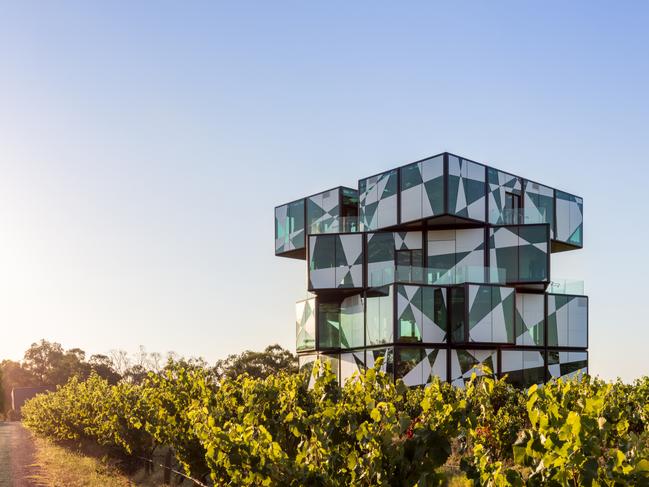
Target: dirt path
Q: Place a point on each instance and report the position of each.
(16, 456)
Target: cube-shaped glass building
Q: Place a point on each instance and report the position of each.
(438, 266)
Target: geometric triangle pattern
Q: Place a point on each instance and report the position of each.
(352, 322)
(422, 189)
(475, 292)
(421, 314)
(466, 188)
(570, 219)
(455, 256)
(491, 314)
(530, 319)
(418, 366)
(351, 363)
(336, 261)
(289, 227)
(464, 363)
(385, 353)
(305, 324)
(519, 253)
(378, 201)
(500, 183)
(323, 211)
(538, 204)
(523, 367)
(567, 321)
(567, 364)
(381, 257)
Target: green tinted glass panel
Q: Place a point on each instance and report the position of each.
(456, 297)
(328, 325)
(323, 255)
(406, 360)
(380, 247)
(532, 261)
(410, 176)
(379, 316)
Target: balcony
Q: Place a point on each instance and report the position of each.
(518, 216)
(344, 224)
(436, 277)
(566, 286)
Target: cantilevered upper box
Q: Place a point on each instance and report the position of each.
(443, 257)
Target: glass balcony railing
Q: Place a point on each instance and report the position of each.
(517, 216)
(440, 277)
(566, 286)
(345, 224)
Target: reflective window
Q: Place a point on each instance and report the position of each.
(380, 315)
(458, 314)
(523, 368)
(289, 227)
(385, 354)
(532, 253)
(491, 314)
(352, 322)
(305, 323)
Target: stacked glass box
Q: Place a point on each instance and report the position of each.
(438, 266)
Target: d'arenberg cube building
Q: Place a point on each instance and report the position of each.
(438, 266)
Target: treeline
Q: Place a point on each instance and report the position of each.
(48, 364)
(298, 429)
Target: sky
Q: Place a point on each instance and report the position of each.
(144, 145)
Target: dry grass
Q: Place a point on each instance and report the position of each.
(61, 467)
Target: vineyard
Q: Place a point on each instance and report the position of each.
(371, 431)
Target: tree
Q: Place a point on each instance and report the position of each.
(103, 366)
(257, 364)
(51, 365)
(13, 375)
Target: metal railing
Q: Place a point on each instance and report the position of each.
(517, 216)
(566, 286)
(430, 276)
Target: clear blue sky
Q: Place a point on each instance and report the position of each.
(143, 146)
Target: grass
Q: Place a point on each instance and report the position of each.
(60, 466)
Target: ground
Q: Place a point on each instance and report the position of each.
(34, 462)
(17, 457)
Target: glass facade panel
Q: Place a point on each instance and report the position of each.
(567, 321)
(352, 322)
(523, 368)
(385, 354)
(351, 363)
(380, 315)
(467, 187)
(409, 366)
(533, 253)
(491, 314)
(289, 227)
(458, 314)
(538, 204)
(328, 325)
(522, 251)
(418, 366)
(305, 323)
(567, 364)
(323, 212)
(332, 361)
(422, 189)
(380, 259)
(530, 319)
(335, 261)
(322, 261)
(569, 224)
(464, 363)
(378, 201)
